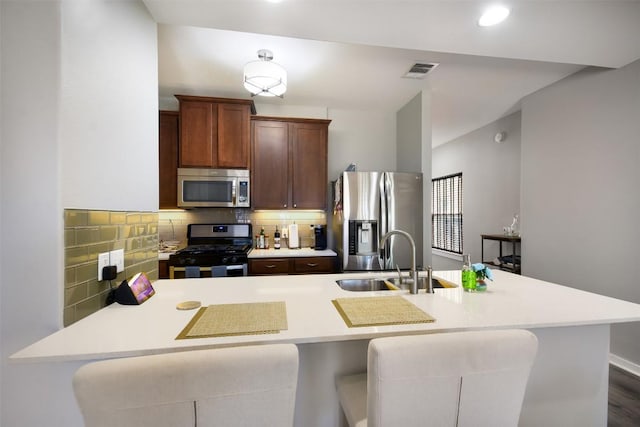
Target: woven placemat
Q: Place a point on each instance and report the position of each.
(237, 319)
(378, 311)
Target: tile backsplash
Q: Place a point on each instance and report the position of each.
(173, 224)
(90, 232)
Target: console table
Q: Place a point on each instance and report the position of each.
(515, 266)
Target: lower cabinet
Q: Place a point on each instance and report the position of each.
(299, 265)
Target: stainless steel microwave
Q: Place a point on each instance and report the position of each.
(213, 188)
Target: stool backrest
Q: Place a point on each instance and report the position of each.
(238, 386)
(473, 378)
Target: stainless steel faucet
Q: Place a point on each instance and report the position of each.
(414, 271)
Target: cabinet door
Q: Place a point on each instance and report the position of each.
(168, 160)
(309, 165)
(269, 165)
(234, 133)
(198, 134)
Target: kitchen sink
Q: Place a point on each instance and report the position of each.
(362, 285)
(378, 284)
(422, 283)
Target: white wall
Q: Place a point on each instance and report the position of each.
(109, 107)
(409, 136)
(580, 198)
(413, 150)
(366, 138)
(31, 229)
(490, 181)
(1, 198)
(281, 109)
(61, 102)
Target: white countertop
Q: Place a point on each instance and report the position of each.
(510, 301)
(164, 256)
(289, 253)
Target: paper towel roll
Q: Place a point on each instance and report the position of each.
(294, 239)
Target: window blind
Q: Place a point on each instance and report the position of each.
(446, 213)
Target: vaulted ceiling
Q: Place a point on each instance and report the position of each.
(352, 54)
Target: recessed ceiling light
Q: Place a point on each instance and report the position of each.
(494, 15)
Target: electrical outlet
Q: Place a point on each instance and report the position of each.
(103, 261)
(117, 258)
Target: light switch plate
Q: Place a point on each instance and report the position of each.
(117, 258)
(103, 261)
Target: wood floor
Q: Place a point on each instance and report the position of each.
(624, 398)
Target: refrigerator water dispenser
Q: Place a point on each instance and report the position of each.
(363, 237)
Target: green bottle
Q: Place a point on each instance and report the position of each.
(468, 275)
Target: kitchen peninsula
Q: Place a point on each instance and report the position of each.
(568, 384)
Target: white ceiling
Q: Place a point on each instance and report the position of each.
(351, 54)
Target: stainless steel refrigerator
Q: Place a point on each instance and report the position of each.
(367, 205)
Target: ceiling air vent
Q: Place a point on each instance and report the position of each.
(419, 70)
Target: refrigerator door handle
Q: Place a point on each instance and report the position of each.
(384, 222)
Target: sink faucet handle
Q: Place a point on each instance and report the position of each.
(399, 274)
(429, 286)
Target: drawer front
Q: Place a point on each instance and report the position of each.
(268, 266)
(313, 265)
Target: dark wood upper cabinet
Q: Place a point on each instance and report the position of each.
(289, 163)
(214, 132)
(309, 144)
(234, 133)
(270, 165)
(168, 159)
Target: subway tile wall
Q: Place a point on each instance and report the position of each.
(90, 232)
(172, 224)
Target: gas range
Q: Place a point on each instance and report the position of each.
(213, 250)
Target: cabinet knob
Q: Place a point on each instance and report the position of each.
(285, 205)
(295, 206)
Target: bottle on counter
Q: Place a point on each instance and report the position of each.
(468, 275)
(276, 239)
(261, 241)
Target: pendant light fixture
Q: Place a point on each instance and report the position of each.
(264, 77)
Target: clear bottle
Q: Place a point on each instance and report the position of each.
(261, 241)
(468, 275)
(276, 239)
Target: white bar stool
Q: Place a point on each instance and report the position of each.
(236, 386)
(475, 378)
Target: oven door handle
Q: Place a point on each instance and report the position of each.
(242, 267)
